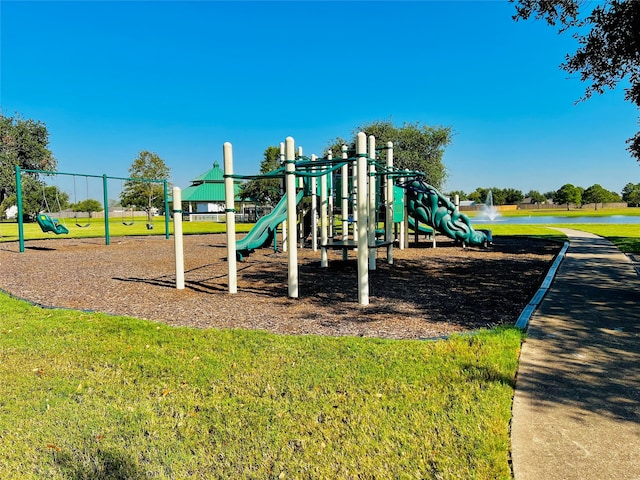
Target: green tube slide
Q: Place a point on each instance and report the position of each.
(265, 227)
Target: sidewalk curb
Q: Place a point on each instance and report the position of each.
(525, 316)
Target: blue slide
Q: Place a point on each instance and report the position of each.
(265, 227)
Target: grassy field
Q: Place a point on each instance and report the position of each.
(625, 236)
(9, 230)
(579, 212)
(91, 396)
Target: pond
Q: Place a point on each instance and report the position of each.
(553, 219)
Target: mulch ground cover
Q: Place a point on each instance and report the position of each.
(427, 292)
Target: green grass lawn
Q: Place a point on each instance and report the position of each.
(91, 396)
(9, 230)
(580, 212)
(625, 236)
(87, 395)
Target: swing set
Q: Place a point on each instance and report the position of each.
(51, 224)
(46, 222)
(75, 200)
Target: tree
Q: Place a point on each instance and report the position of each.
(595, 194)
(89, 205)
(512, 196)
(23, 143)
(609, 39)
(145, 195)
(631, 194)
(265, 191)
(37, 197)
(569, 194)
(551, 195)
(415, 147)
(536, 197)
(461, 195)
(498, 196)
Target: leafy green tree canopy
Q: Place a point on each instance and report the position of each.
(501, 196)
(23, 143)
(89, 205)
(145, 195)
(536, 197)
(415, 147)
(609, 39)
(265, 191)
(460, 193)
(568, 194)
(38, 198)
(512, 196)
(598, 194)
(631, 194)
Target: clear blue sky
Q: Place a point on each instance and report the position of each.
(181, 78)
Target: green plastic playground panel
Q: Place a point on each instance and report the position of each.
(398, 204)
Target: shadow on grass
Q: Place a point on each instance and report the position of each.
(626, 244)
(99, 465)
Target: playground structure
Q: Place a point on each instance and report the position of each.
(429, 206)
(423, 203)
(54, 225)
(264, 230)
(360, 208)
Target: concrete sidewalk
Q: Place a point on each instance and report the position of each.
(576, 409)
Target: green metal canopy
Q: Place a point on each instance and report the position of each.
(209, 187)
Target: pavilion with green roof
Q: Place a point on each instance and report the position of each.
(204, 198)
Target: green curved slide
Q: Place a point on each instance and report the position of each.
(264, 229)
(427, 205)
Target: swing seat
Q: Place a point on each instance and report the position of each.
(48, 224)
(83, 225)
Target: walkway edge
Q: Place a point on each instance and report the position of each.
(525, 316)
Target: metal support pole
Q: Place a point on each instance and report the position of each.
(284, 187)
(290, 162)
(165, 189)
(314, 206)
(324, 219)
(344, 193)
(373, 217)
(20, 208)
(345, 200)
(388, 235)
(105, 199)
(177, 236)
(229, 196)
(362, 203)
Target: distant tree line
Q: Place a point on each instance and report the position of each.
(567, 194)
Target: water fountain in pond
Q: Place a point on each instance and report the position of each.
(488, 211)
